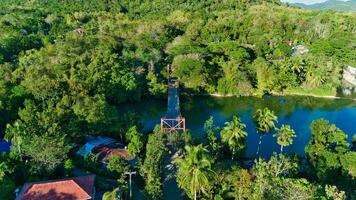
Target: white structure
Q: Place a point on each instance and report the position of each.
(92, 143)
(300, 49)
(350, 75)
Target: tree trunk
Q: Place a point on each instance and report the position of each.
(281, 148)
(259, 144)
(195, 194)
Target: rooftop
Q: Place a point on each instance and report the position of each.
(94, 142)
(106, 153)
(352, 70)
(77, 188)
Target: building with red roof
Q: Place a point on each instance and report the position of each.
(77, 188)
(105, 153)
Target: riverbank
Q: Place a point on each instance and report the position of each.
(316, 96)
(284, 94)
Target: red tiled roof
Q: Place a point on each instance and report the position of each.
(77, 188)
(106, 153)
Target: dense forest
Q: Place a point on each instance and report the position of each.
(65, 67)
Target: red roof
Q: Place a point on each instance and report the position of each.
(77, 188)
(106, 153)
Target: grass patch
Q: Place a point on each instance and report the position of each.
(311, 92)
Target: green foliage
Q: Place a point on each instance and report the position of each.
(68, 167)
(333, 193)
(212, 131)
(190, 69)
(265, 120)
(46, 146)
(329, 154)
(110, 195)
(7, 187)
(265, 76)
(278, 166)
(119, 166)
(135, 140)
(152, 167)
(285, 136)
(233, 134)
(290, 188)
(155, 88)
(353, 147)
(272, 179)
(7, 184)
(194, 171)
(233, 183)
(46, 152)
(348, 163)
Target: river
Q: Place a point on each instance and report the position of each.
(298, 111)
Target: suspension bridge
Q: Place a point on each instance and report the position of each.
(172, 121)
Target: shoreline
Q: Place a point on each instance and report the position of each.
(316, 96)
(274, 94)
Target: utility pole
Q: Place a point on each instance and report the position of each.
(130, 175)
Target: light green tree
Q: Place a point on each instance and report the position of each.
(194, 171)
(135, 140)
(211, 131)
(233, 134)
(285, 136)
(119, 166)
(152, 167)
(265, 120)
(332, 192)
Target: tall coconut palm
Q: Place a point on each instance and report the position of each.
(194, 171)
(233, 134)
(285, 136)
(265, 122)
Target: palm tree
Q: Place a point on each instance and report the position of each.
(285, 136)
(265, 120)
(194, 170)
(315, 78)
(233, 134)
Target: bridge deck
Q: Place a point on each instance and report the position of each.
(172, 121)
(173, 110)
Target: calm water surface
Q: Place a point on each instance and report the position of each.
(299, 112)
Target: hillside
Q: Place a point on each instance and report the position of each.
(331, 5)
(68, 69)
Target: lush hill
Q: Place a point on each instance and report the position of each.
(68, 67)
(331, 5)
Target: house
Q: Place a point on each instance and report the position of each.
(104, 148)
(104, 154)
(4, 146)
(94, 142)
(350, 75)
(299, 49)
(79, 30)
(77, 188)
